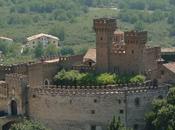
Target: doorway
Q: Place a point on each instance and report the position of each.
(13, 107)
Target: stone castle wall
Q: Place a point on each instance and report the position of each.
(80, 108)
(3, 90)
(15, 68)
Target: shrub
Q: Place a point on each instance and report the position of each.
(137, 78)
(28, 125)
(74, 77)
(106, 78)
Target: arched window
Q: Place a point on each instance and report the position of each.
(137, 102)
(13, 106)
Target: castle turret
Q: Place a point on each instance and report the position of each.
(104, 28)
(135, 37)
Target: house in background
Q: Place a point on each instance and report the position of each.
(90, 57)
(45, 39)
(5, 39)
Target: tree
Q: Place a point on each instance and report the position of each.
(3, 47)
(58, 31)
(172, 30)
(28, 125)
(162, 116)
(172, 2)
(105, 79)
(137, 79)
(67, 51)
(51, 49)
(116, 124)
(139, 26)
(67, 77)
(39, 50)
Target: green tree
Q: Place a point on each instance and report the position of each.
(51, 49)
(67, 51)
(106, 78)
(139, 26)
(162, 116)
(137, 79)
(116, 125)
(3, 47)
(58, 31)
(39, 50)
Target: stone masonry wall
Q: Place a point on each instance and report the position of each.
(80, 109)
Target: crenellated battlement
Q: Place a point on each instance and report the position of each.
(3, 90)
(136, 37)
(7, 68)
(94, 90)
(46, 58)
(105, 24)
(15, 79)
(16, 76)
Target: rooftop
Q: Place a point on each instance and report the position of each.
(6, 38)
(119, 32)
(41, 35)
(2, 82)
(90, 55)
(52, 61)
(170, 66)
(165, 50)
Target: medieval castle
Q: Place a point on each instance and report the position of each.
(27, 89)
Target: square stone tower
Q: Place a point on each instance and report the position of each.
(104, 28)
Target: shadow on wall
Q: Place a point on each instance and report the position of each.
(8, 125)
(13, 106)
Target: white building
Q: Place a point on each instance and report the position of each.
(45, 39)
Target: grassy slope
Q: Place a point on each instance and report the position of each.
(79, 34)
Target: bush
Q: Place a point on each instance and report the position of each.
(66, 51)
(137, 79)
(28, 125)
(106, 78)
(74, 77)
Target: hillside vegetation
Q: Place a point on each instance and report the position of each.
(72, 22)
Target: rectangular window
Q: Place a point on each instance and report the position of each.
(93, 127)
(121, 111)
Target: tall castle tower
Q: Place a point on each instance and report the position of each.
(104, 28)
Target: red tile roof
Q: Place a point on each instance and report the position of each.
(170, 66)
(90, 55)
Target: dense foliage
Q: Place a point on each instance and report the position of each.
(162, 116)
(74, 77)
(28, 125)
(72, 22)
(116, 125)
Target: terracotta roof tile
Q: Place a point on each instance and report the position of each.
(170, 66)
(91, 54)
(163, 50)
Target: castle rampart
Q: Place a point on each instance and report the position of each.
(85, 106)
(135, 37)
(105, 24)
(94, 90)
